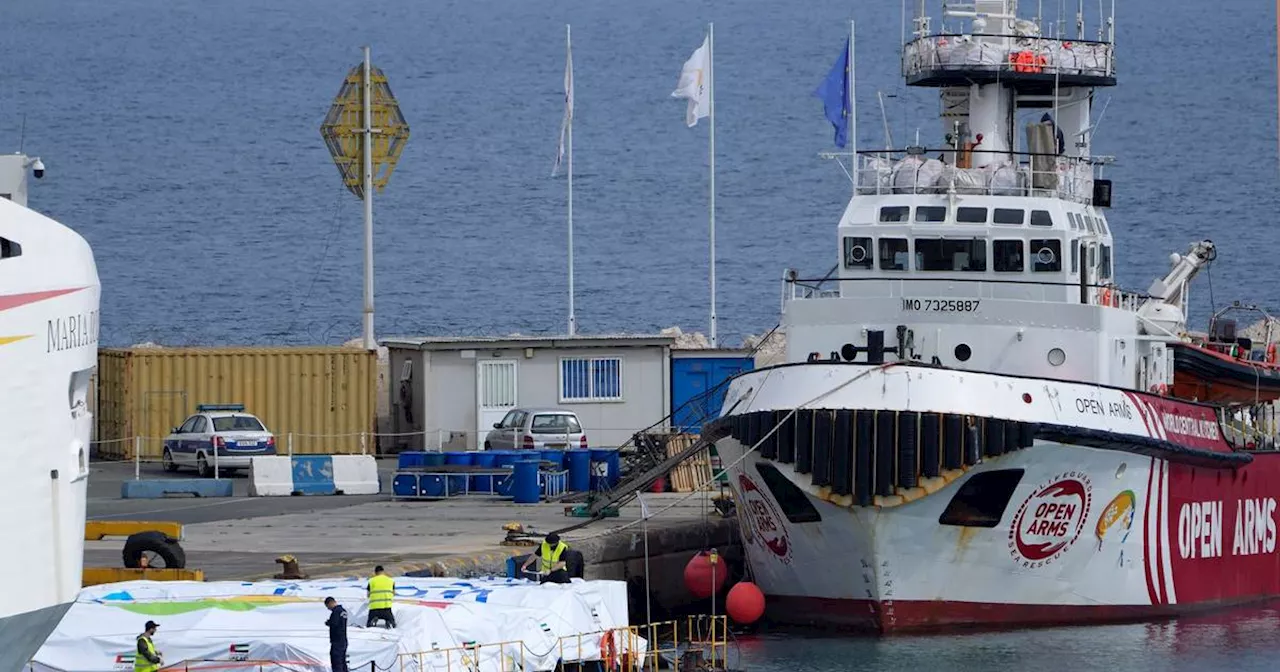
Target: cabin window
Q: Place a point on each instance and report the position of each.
(1091, 257)
(1075, 256)
(1104, 262)
(1102, 226)
(1071, 217)
(1009, 216)
(894, 213)
(1088, 224)
(893, 254)
(971, 215)
(791, 499)
(1008, 256)
(931, 213)
(948, 254)
(857, 252)
(982, 500)
(1046, 255)
(1041, 218)
(9, 249)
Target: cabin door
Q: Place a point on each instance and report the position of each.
(495, 394)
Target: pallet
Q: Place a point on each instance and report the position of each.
(694, 473)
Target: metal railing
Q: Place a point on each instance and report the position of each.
(1004, 54)
(934, 171)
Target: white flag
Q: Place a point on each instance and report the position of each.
(568, 103)
(695, 77)
(644, 508)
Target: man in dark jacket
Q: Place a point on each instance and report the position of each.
(337, 635)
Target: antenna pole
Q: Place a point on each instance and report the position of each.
(369, 343)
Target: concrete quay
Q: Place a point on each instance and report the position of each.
(240, 537)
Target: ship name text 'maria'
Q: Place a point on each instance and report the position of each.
(1200, 528)
(72, 331)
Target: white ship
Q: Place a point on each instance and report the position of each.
(48, 350)
(975, 426)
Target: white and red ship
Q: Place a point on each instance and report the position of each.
(975, 426)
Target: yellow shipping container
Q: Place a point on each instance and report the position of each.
(323, 396)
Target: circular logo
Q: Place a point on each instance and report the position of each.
(765, 521)
(1050, 520)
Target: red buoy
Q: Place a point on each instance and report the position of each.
(745, 603)
(705, 574)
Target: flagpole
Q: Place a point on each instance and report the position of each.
(644, 524)
(568, 51)
(711, 92)
(853, 113)
(369, 343)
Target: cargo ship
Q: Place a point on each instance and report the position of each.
(49, 295)
(974, 425)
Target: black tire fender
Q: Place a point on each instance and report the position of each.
(156, 542)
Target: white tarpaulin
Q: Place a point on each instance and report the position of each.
(229, 623)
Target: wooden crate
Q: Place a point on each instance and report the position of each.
(694, 473)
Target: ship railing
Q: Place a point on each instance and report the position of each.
(1009, 55)
(922, 170)
(1251, 428)
(796, 288)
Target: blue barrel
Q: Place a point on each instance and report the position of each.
(411, 459)
(525, 488)
(579, 463)
(555, 456)
(605, 468)
(404, 485)
(483, 458)
(504, 458)
(431, 486)
(457, 482)
(432, 459)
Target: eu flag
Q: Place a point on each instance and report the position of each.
(834, 92)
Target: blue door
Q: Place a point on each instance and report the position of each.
(698, 386)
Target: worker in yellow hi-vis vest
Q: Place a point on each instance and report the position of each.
(553, 568)
(382, 593)
(147, 658)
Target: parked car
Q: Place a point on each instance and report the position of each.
(235, 435)
(536, 428)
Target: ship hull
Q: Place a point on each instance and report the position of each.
(49, 299)
(1051, 533)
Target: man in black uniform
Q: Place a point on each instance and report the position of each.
(337, 635)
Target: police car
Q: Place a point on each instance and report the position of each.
(236, 437)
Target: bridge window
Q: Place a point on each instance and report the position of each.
(1074, 219)
(1008, 256)
(1104, 262)
(893, 254)
(1010, 216)
(894, 213)
(931, 213)
(857, 252)
(1102, 226)
(9, 248)
(1088, 224)
(1047, 255)
(944, 254)
(971, 215)
(1041, 218)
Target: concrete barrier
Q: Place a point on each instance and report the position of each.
(314, 475)
(270, 476)
(356, 475)
(156, 489)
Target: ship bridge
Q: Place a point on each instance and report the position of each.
(988, 248)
